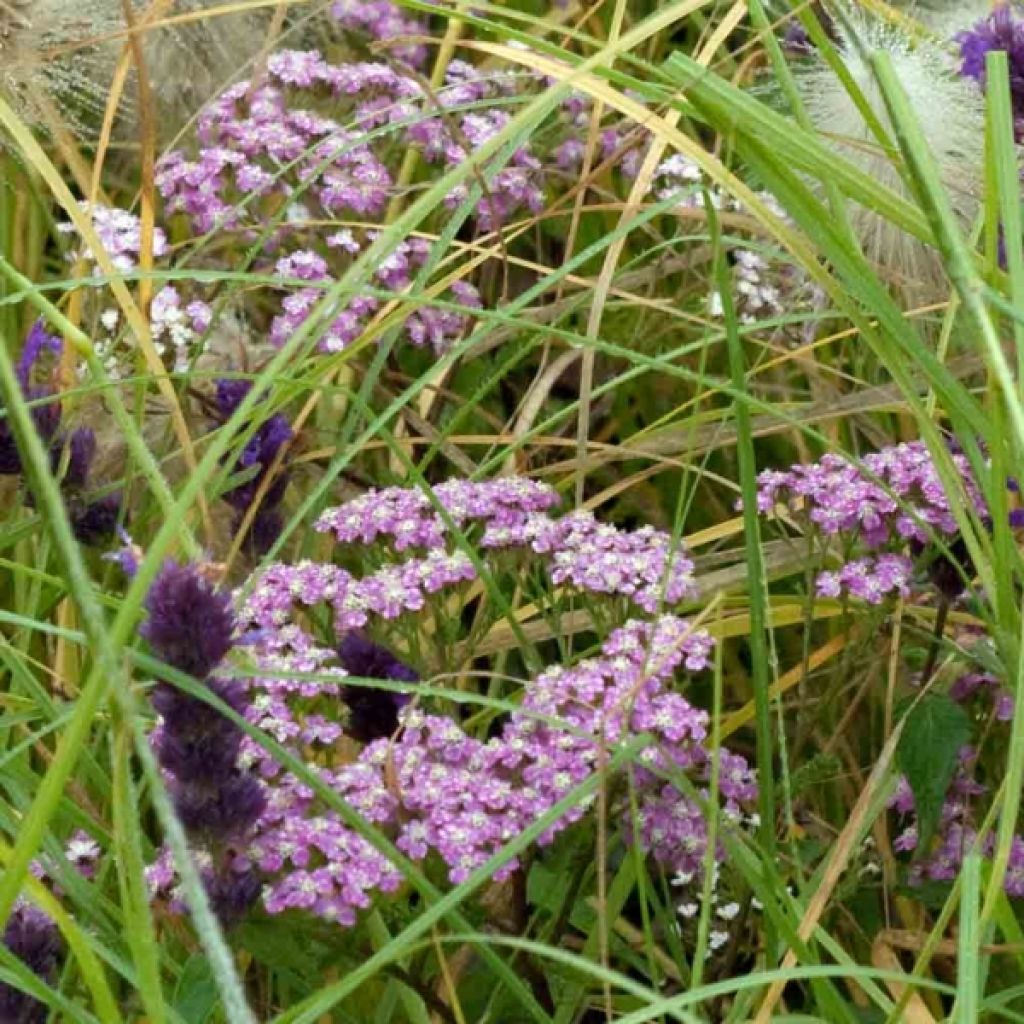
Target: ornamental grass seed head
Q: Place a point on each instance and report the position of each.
(53, 62)
(950, 111)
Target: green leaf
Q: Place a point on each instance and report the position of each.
(196, 994)
(936, 728)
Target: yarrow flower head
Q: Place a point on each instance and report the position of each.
(432, 786)
(893, 501)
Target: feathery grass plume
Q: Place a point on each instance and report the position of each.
(66, 52)
(55, 51)
(189, 62)
(947, 17)
(951, 114)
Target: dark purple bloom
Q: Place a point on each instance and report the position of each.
(230, 393)
(46, 414)
(949, 573)
(10, 460)
(190, 622)
(373, 714)
(46, 410)
(797, 42)
(81, 452)
(1001, 30)
(95, 521)
(37, 342)
(259, 454)
(231, 893)
(221, 809)
(191, 626)
(33, 938)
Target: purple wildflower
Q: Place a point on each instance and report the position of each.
(260, 452)
(190, 622)
(1002, 30)
(46, 410)
(191, 626)
(81, 452)
(94, 522)
(901, 510)
(373, 714)
(33, 938)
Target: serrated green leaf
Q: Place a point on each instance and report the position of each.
(936, 728)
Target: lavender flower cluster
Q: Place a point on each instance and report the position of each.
(643, 566)
(264, 146)
(893, 500)
(382, 21)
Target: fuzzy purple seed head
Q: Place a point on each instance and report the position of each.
(373, 714)
(190, 623)
(33, 938)
(1002, 30)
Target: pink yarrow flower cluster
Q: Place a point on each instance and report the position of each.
(176, 325)
(384, 22)
(436, 790)
(764, 286)
(956, 832)
(644, 566)
(265, 145)
(433, 788)
(892, 500)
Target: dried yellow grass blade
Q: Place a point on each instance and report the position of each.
(825, 653)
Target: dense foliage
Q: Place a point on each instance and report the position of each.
(511, 512)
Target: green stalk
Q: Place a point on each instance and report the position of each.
(759, 647)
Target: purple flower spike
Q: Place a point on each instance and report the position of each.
(231, 893)
(33, 938)
(373, 714)
(190, 623)
(36, 343)
(10, 460)
(191, 626)
(230, 393)
(261, 451)
(96, 521)
(82, 450)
